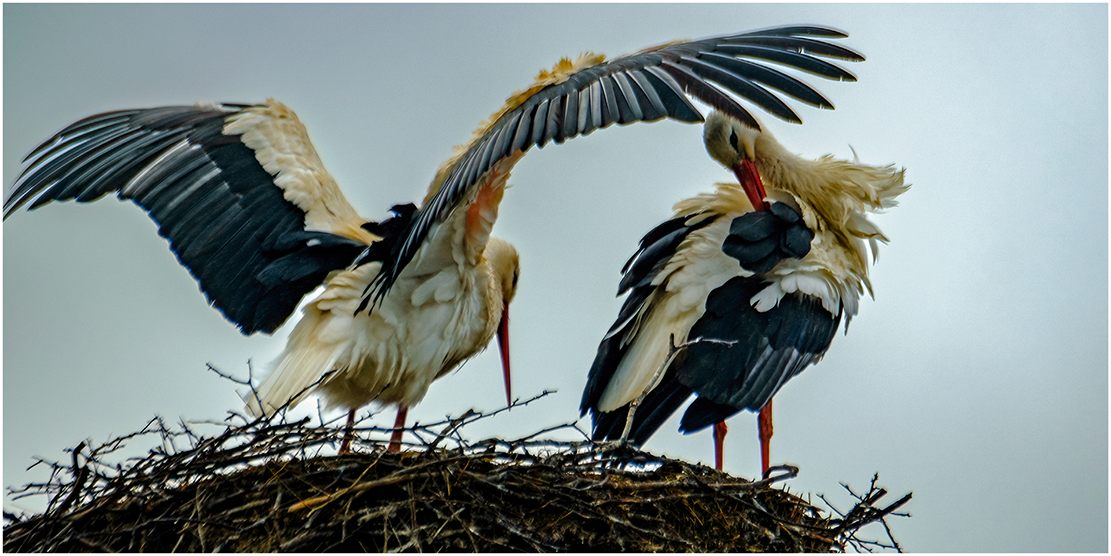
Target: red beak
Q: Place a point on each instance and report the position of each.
(749, 177)
(503, 347)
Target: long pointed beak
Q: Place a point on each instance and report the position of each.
(503, 347)
(749, 178)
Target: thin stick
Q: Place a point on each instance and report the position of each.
(672, 351)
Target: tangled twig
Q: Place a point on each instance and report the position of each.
(865, 512)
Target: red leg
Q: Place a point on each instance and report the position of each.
(348, 433)
(765, 423)
(719, 443)
(395, 439)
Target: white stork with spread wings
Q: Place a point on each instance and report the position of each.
(248, 208)
(755, 294)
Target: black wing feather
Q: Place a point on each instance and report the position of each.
(759, 240)
(735, 82)
(791, 58)
(570, 127)
(656, 408)
(611, 113)
(770, 77)
(539, 120)
(802, 44)
(655, 103)
(770, 348)
(678, 106)
(631, 111)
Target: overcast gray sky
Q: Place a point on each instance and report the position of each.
(977, 378)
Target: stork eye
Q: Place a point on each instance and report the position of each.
(734, 141)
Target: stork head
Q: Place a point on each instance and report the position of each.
(833, 194)
(835, 188)
(738, 147)
(503, 261)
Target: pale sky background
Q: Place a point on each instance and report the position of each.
(977, 378)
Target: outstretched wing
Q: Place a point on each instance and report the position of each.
(237, 189)
(579, 97)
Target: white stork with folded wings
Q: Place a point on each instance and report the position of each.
(758, 289)
(248, 208)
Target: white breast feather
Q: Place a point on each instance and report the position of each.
(442, 287)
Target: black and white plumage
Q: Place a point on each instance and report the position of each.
(757, 352)
(741, 300)
(249, 209)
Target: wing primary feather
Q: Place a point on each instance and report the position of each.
(539, 121)
(54, 164)
(81, 128)
(743, 87)
(679, 106)
(502, 147)
(610, 113)
(104, 177)
(552, 123)
(54, 158)
(596, 108)
(811, 30)
(804, 45)
(584, 111)
(521, 133)
(485, 154)
(790, 58)
(634, 113)
(658, 109)
(570, 127)
(770, 77)
(707, 93)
